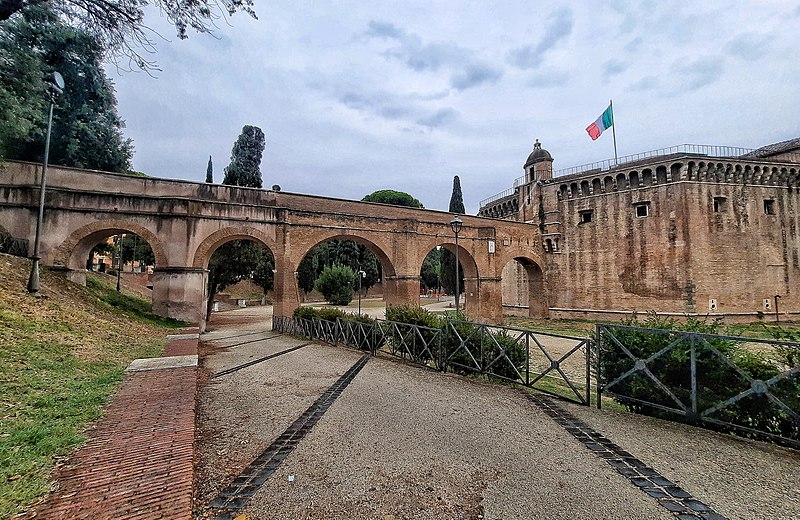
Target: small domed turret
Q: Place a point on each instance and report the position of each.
(539, 165)
(538, 154)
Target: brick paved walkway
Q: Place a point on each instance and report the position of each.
(139, 460)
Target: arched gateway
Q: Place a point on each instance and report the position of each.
(185, 222)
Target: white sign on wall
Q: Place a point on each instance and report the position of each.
(491, 247)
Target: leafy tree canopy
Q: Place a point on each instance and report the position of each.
(244, 169)
(336, 284)
(87, 131)
(398, 198)
(118, 25)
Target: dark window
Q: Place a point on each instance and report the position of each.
(720, 204)
(642, 210)
(769, 207)
(586, 216)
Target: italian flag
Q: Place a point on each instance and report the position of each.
(603, 122)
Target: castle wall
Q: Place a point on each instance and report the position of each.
(718, 239)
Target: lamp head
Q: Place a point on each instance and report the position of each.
(456, 224)
(55, 82)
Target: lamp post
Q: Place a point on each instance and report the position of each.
(439, 274)
(456, 225)
(55, 84)
(361, 275)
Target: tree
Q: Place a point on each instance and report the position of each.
(398, 198)
(87, 130)
(448, 258)
(209, 171)
(135, 248)
(118, 25)
(430, 274)
(336, 284)
(244, 169)
(239, 260)
(456, 199)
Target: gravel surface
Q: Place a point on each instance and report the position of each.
(403, 442)
(739, 478)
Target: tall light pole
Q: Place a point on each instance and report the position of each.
(55, 84)
(439, 274)
(361, 275)
(455, 225)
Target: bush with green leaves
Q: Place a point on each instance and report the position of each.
(718, 362)
(336, 284)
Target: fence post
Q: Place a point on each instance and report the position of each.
(589, 346)
(598, 353)
(528, 359)
(693, 364)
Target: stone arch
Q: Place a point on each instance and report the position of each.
(647, 177)
(562, 192)
(608, 184)
(584, 188)
(573, 190)
(634, 179)
(212, 242)
(597, 186)
(526, 286)
(674, 173)
(622, 181)
(387, 264)
(72, 253)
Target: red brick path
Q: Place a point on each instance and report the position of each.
(139, 460)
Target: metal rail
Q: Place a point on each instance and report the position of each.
(555, 364)
(714, 381)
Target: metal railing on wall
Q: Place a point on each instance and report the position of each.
(728, 383)
(556, 364)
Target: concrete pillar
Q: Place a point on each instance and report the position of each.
(401, 290)
(180, 293)
(484, 299)
(287, 293)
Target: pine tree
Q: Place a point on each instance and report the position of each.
(448, 258)
(209, 171)
(244, 169)
(456, 199)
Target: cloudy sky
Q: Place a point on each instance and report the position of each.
(359, 96)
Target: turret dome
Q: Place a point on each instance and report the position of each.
(538, 154)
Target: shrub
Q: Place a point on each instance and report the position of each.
(413, 315)
(717, 381)
(336, 284)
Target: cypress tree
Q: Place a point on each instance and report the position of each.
(456, 199)
(209, 171)
(244, 169)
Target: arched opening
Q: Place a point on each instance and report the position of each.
(437, 285)
(241, 274)
(597, 187)
(622, 181)
(608, 183)
(523, 290)
(346, 271)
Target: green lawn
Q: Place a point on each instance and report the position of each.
(63, 353)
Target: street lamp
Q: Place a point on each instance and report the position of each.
(361, 276)
(456, 225)
(439, 274)
(55, 84)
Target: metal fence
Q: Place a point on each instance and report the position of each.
(13, 246)
(555, 364)
(727, 383)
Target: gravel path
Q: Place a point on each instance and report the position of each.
(403, 442)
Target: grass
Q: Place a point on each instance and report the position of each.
(63, 354)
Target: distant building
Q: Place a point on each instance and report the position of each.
(684, 230)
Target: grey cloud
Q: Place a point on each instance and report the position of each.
(749, 46)
(428, 57)
(613, 67)
(634, 45)
(474, 75)
(698, 73)
(439, 118)
(645, 83)
(385, 30)
(397, 108)
(549, 79)
(559, 26)
(467, 72)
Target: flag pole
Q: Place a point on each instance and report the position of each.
(614, 131)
